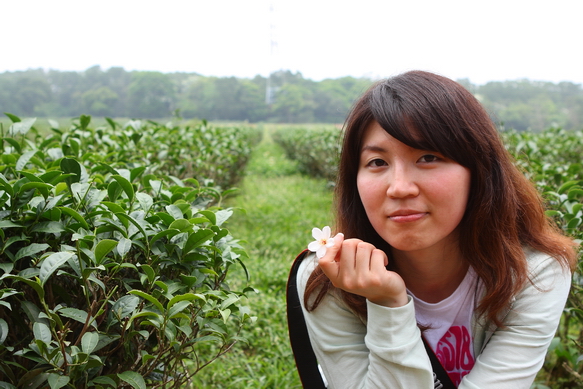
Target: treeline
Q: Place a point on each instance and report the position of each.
(115, 92)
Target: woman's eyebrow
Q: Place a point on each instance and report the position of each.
(373, 148)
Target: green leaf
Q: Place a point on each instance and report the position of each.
(126, 186)
(14, 144)
(178, 308)
(32, 312)
(23, 126)
(197, 239)
(4, 184)
(77, 315)
(103, 248)
(23, 160)
(89, 341)
(104, 340)
(42, 187)
(84, 121)
(183, 297)
(52, 263)
(149, 272)
(51, 177)
(49, 227)
(133, 378)
(175, 211)
(75, 215)
(145, 201)
(3, 330)
(104, 380)
(566, 186)
(225, 313)
(114, 190)
(8, 224)
(30, 250)
(148, 297)
(575, 193)
(113, 207)
(13, 118)
(162, 234)
(574, 223)
(42, 332)
(57, 381)
(6, 267)
(210, 215)
(71, 166)
(124, 216)
(53, 123)
(125, 306)
(136, 172)
(552, 212)
(222, 216)
(123, 247)
(34, 378)
(232, 299)
(182, 225)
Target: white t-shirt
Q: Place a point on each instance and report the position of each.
(449, 321)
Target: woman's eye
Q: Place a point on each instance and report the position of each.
(376, 162)
(428, 158)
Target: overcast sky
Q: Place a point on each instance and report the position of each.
(484, 41)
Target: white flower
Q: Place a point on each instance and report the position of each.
(322, 242)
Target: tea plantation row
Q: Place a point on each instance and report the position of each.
(114, 253)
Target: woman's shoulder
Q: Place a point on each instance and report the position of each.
(308, 264)
(541, 262)
(545, 271)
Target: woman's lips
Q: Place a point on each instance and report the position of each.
(407, 217)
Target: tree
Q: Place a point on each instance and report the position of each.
(100, 101)
(30, 90)
(150, 95)
(293, 104)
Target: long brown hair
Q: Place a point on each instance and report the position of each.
(504, 211)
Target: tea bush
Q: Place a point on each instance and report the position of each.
(316, 150)
(552, 160)
(114, 264)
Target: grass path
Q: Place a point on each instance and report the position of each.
(281, 208)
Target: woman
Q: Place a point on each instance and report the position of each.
(442, 239)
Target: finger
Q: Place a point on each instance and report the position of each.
(378, 261)
(332, 252)
(329, 262)
(363, 257)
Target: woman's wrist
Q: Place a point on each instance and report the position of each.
(391, 302)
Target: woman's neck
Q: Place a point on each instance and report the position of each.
(431, 276)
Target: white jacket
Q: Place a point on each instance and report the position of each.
(386, 351)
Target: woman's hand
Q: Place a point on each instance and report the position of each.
(360, 268)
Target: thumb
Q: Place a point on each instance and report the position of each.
(332, 252)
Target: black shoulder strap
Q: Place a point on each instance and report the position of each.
(441, 379)
(306, 362)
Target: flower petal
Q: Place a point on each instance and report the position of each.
(317, 233)
(321, 252)
(329, 242)
(314, 246)
(326, 232)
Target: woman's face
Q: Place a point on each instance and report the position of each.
(413, 198)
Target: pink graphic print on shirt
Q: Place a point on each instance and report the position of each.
(454, 352)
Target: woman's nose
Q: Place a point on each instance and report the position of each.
(402, 183)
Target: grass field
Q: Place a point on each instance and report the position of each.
(281, 207)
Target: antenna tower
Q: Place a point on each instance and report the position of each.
(270, 88)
